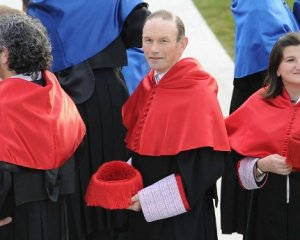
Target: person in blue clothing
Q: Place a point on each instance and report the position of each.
(296, 10)
(258, 25)
(89, 40)
(136, 70)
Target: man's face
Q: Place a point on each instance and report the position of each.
(289, 68)
(160, 44)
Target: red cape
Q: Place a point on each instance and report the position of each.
(179, 113)
(40, 127)
(262, 127)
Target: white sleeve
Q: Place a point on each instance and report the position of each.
(246, 169)
(162, 199)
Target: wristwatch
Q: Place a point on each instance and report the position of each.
(260, 172)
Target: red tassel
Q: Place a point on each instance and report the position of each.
(113, 185)
(293, 150)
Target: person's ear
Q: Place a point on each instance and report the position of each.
(4, 56)
(184, 42)
(278, 74)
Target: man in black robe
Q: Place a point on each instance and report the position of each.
(177, 136)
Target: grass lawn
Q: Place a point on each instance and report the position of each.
(218, 16)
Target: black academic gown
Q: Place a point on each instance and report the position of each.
(98, 88)
(199, 169)
(271, 217)
(234, 199)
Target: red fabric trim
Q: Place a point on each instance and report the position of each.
(40, 126)
(293, 151)
(180, 113)
(182, 193)
(262, 127)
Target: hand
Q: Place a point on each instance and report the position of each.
(5, 221)
(135, 204)
(274, 163)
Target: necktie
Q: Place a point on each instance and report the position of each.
(156, 78)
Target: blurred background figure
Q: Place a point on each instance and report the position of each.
(89, 41)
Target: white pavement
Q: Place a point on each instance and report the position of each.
(204, 46)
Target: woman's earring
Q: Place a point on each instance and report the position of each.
(278, 74)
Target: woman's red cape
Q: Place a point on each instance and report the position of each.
(261, 127)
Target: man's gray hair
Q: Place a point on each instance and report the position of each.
(167, 15)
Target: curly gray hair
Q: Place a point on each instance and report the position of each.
(26, 39)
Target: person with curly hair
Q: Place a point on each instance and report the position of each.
(40, 129)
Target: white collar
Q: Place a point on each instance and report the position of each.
(27, 78)
(159, 76)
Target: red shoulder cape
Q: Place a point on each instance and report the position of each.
(262, 127)
(179, 113)
(40, 127)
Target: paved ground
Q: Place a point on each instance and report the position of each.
(204, 46)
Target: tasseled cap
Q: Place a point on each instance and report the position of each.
(293, 151)
(113, 185)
